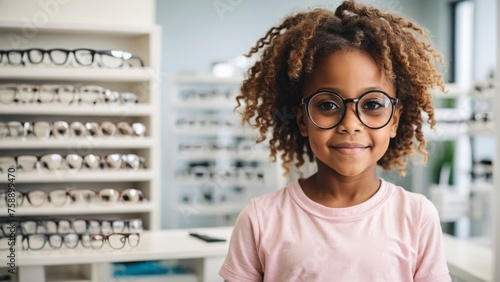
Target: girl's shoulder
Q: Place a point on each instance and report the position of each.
(412, 202)
(276, 201)
(277, 196)
(402, 193)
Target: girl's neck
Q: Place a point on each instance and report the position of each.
(338, 191)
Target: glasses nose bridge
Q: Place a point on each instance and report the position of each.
(354, 101)
(355, 110)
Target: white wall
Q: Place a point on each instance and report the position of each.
(436, 16)
(198, 32)
(37, 13)
(485, 41)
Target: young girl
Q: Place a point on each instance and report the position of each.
(356, 81)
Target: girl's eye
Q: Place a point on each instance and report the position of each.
(327, 105)
(374, 104)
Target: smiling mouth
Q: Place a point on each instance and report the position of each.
(350, 150)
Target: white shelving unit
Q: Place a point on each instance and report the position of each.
(496, 168)
(142, 41)
(476, 259)
(455, 124)
(208, 176)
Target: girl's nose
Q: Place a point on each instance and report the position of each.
(350, 123)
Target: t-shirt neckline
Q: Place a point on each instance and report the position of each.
(346, 214)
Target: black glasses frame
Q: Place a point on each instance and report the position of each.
(42, 225)
(105, 239)
(117, 54)
(42, 52)
(67, 53)
(27, 245)
(46, 199)
(13, 52)
(305, 102)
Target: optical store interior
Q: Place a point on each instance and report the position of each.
(121, 149)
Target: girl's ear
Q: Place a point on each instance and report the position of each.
(300, 117)
(395, 120)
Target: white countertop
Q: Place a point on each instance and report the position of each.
(158, 245)
(469, 261)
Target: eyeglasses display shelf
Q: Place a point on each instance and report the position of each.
(465, 117)
(139, 110)
(108, 143)
(73, 91)
(216, 166)
(174, 245)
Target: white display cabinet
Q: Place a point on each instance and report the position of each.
(474, 222)
(215, 165)
(456, 124)
(143, 81)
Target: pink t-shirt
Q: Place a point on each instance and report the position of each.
(285, 236)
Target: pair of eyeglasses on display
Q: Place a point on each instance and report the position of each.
(125, 161)
(482, 169)
(111, 196)
(83, 57)
(72, 162)
(484, 117)
(251, 146)
(116, 241)
(207, 194)
(106, 226)
(243, 147)
(483, 89)
(54, 241)
(63, 94)
(61, 226)
(121, 129)
(195, 147)
(42, 129)
(206, 95)
(14, 129)
(51, 162)
(79, 226)
(207, 121)
(63, 129)
(233, 174)
(62, 197)
(481, 121)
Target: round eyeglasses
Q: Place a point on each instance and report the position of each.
(326, 109)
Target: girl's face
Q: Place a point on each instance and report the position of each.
(350, 148)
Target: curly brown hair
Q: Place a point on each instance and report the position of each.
(290, 51)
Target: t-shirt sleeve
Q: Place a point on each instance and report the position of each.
(242, 262)
(431, 261)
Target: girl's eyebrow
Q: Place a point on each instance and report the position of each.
(364, 90)
(329, 89)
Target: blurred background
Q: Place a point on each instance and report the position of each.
(187, 155)
(198, 36)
